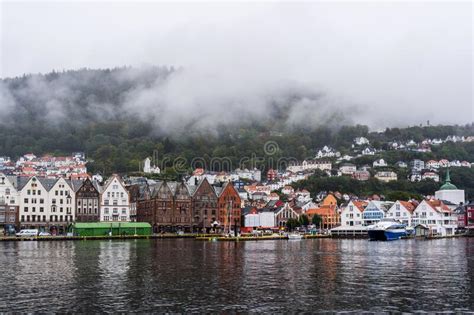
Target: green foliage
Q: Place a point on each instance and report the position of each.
(304, 220)
(316, 220)
(117, 142)
(291, 224)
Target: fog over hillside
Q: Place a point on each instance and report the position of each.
(306, 64)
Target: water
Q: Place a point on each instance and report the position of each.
(268, 276)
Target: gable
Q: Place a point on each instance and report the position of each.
(205, 188)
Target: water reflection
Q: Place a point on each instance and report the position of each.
(269, 276)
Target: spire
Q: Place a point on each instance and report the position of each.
(448, 178)
(447, 183)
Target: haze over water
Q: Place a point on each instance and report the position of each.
(267, 276)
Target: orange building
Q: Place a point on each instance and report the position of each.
(328, 212)
(229, 211)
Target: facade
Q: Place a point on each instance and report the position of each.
(114, 201)
(417, 164)
(87, 202)
(310, 165)
(348, 169)
(361, 175)
(229, 211)
(46, 204)
(166, 206)
(386, 176)
(204, 207)
(402, 211)
(470, 215)
(9, 203)
(436, 216)
(283, 214)
(351, 214)
(375, 211)
(380, 163)
(328, 211)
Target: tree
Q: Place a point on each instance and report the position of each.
(304, 221)
(291, 224)
(317, 220)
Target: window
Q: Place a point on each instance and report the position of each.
(7, 191)
(56, 193)
(25, 209)
(25, 200)
(28, 192)
(41, 200)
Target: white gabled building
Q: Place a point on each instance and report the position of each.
(361, 141)
(62, 200)
(9, 195)
(386, 176)
(351, 215)
(379, 163)
(46, 203)
(436, 216)
(402, 211)
(114, 201)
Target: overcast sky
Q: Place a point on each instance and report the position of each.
(403, 62)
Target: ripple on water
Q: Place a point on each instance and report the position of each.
(269, 276)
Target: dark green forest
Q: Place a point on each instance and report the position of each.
(84, 110)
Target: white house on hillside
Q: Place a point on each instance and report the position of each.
(379, 163)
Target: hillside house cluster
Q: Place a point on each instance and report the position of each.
(71, 167)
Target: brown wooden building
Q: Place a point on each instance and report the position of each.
(172, 206)
(229, 204)
(204, 206)
(87, 202)
(166, 206)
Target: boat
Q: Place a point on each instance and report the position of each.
(295, 236)
(387, 230)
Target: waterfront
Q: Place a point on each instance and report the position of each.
(178, 275)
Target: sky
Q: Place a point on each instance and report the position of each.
(389, 63)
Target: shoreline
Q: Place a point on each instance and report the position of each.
(197, 237)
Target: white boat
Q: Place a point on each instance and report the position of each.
(295, 236)
(387, 230)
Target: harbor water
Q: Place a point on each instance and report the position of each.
(184, 275)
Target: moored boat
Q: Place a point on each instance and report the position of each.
(295, 236)
(387, 230)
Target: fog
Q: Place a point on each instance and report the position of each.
(376, 63)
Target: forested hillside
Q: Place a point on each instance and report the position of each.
(102, 112)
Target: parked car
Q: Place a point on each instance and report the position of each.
(25, 233)
(44, 234)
